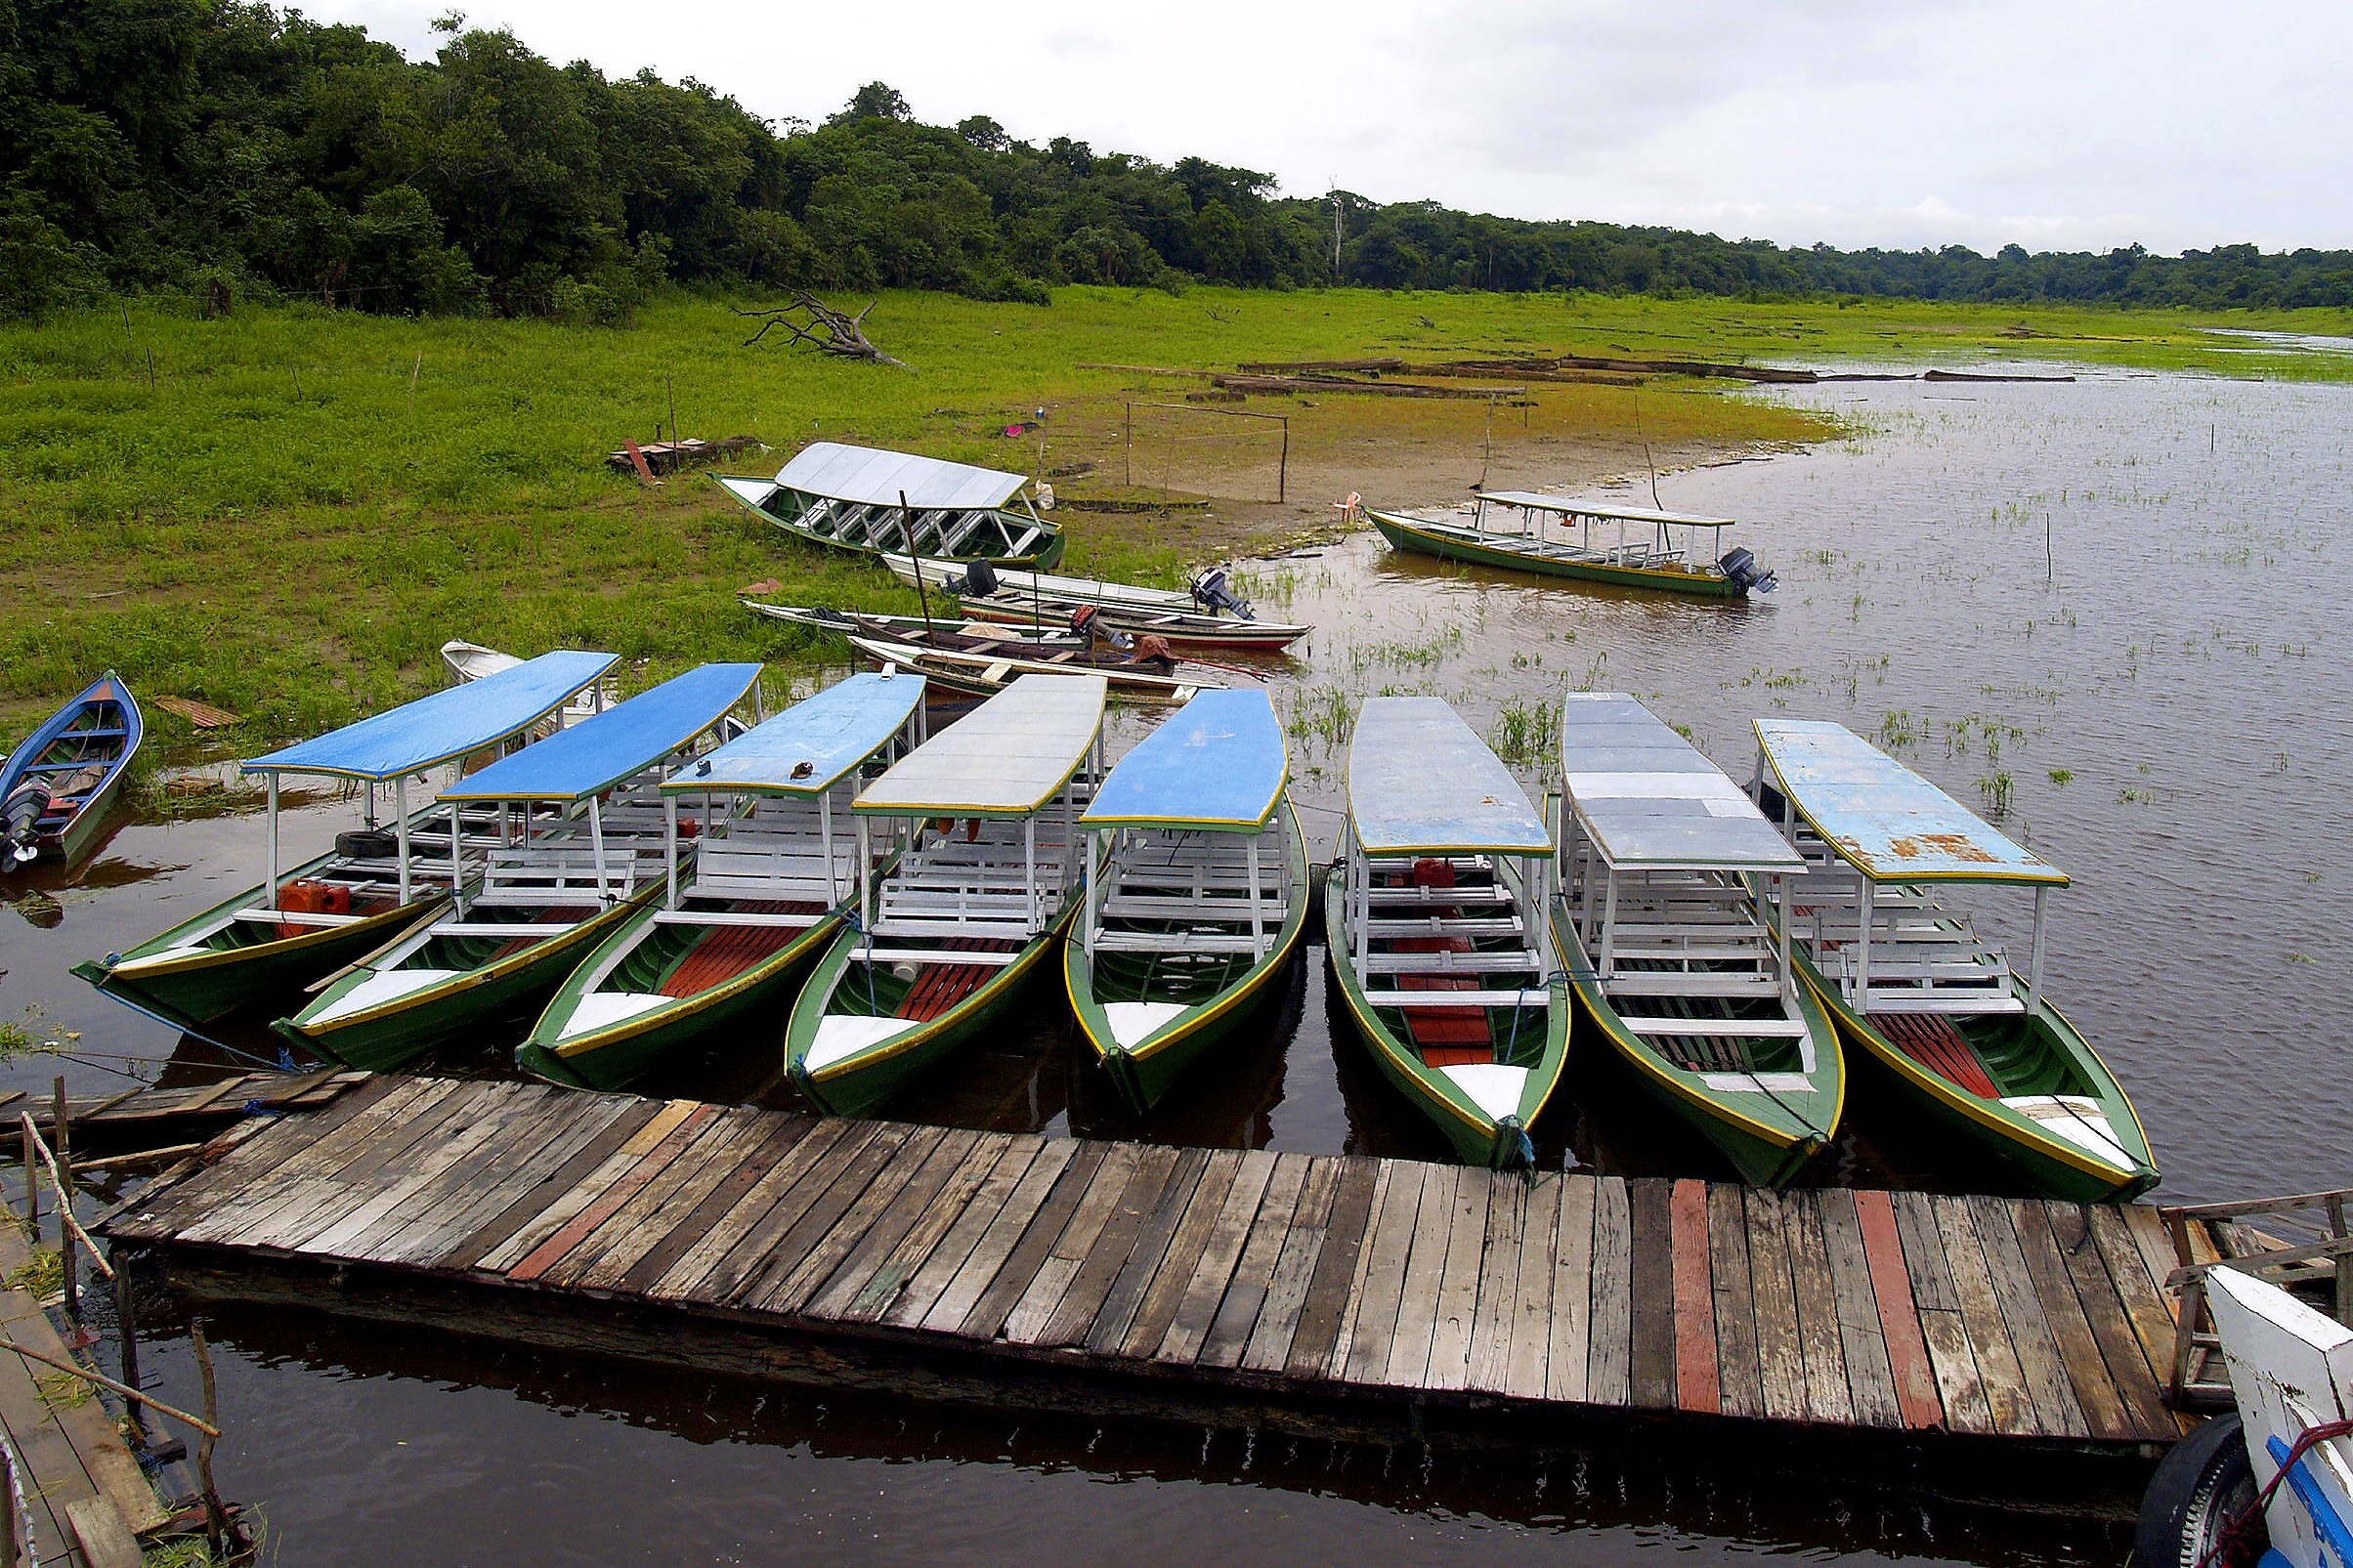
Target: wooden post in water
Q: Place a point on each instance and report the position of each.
(65, 1180)
(217, 1528)
(33, 1187)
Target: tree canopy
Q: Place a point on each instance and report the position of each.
(230, 149)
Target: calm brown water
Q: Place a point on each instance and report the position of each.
(2159, 710)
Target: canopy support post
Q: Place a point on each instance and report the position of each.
(1360, 895)
(1029, 867)
(2042, 899)
(1863, 951)
(1610, 928)
(457, 861)
(1258, 914)
(825, 845)
(669, 846)
(399, 807)
(596, 840)
(1781, 891)
(1094, 893)
(272, 901)
(866, 884)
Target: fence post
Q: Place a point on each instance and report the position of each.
(65, 1184)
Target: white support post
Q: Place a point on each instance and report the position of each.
(1360, 867)
(825, 844)
(597, 838)
(2042, 899)
(1781, 888)
(866, 884)
(399, 807)
(1029, 865)
(1862, 950)
(1610, 928)
(457, 862)
(669, 846)
(271, 902)
(1258, 916)
(1094, 895)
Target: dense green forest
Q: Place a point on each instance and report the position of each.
(228, 151)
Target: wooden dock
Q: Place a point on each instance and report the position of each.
(1206, 1276)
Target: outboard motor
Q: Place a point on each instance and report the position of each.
(19, 822)
(978, 581)
(1210, 593)
(1739, 568)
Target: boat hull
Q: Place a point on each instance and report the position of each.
(1404, 534)
(2053, 1167)
(68, 840)
(1237, 636)
(1477, 1138)
(1144, 1072)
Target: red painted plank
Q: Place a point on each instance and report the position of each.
(1697, 1385)
(544, 1256)
(1899, 1315)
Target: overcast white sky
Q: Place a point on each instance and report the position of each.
(2053, 124)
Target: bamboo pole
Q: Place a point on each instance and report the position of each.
(217, 1528)
(60, 1169)
(110, 1385)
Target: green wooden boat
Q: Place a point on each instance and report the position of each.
(1664, 927)
(1914, 986)
(1556, 538)
(263, 944)
(1439, 891)
(873, 502)
(1189, 918)
(771, 878)
(58, 787)
(983, 818)
(583, 865)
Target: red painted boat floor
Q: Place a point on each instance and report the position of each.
(1936, 1045)
(939, 987)
(727, 951)
(565, 916)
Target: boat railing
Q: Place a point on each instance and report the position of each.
(2302, 1242)
(554, 873)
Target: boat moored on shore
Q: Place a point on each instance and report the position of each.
(1641, 547)
(57, 787)
(872, 503)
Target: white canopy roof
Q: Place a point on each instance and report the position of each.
(1006, 758)
(1562, 504)
(1647, 797)
(878, 477)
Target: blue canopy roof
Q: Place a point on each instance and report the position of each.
(1647, 797)
(1421, 783)
(445, 726)
(1885, 820)
(829, 735)
(1217, 762)
(597, 753)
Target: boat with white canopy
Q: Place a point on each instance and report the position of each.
(1665, 868)
(1209, 615)
(297, 925)
(1632, 546)
(983, 818)
(1434, 914)
(471, 662)
(1913, 983)
(1196, 890)
(581, 853)
(869, 500)
(761, 864)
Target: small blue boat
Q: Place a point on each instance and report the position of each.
(57, 789)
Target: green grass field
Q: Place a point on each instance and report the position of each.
(285, 512)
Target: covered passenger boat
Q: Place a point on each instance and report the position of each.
(984, 672)
(1910, 981)
(1632, 546)
(868, 500)
(270, 940)
(761, 864)
(1434, 914)
(57, 789)
(1196, 890)
(983, 819)
(1663, 922)
(577, 849)
(1209, 615)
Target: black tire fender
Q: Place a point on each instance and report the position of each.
(2200, 1484)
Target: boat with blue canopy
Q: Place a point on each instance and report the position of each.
(1663, 922)
(1630, 546)
(1912, 982)
(761, 868)
(981, 821)
(1434, 914)
(296, 925)
(1196, 890)
(57, 789)
(577, 849)
(872, 502)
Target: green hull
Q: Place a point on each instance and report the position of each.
(2047, 1055)
(1477, 1137)
(621, 1054)
(1145, 1070)
(856, 1086)
(1403, 535)
(1770, 1149)
(381, 1038)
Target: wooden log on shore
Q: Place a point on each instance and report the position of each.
(1289, 367)
(1525, 372)
(1378, 389)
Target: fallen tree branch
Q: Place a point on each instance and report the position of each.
(825, 329)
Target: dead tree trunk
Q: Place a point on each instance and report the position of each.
(810, 320)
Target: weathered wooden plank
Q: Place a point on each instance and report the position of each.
(565, 1130)
(528, 1205)
(625, 1185)
(2009, 1405)
(769, 1191)
(2143, 1305)
(1870, 1375)
(1197, 1309)
(531, 1123)
(1425, 1271)
(344, 1227)
(637, 1223)
(103, 1539)
(53, 1471)
(1172, 1276)
(1930, 1277)
(2132, 1372)
(94, 1458)
(619, 1166)
(1498, 1306)
(1917, 1401)
(1610, 1361)
(804, 1215)
(2156, 1246)
(1944, 1331)
(986, 1207)
(2103, 1405)
(1822, 1338)
(1739, 1386)
(1457, 1315)
(1569, 1332)
(1122, 1236)
(395, 1146)
(1531, 1349)
(839, 1290)
(997, 1240)
(1125, 1296)
(2051, 1395)
(1277, 1324)
(791, 1280)
(1036, 1306)
(895, 1273)
(1651, 1289)
(458, 1122)
(1055, 1205)
(1324, 1312)
(1698, 1380)
(1237, 1314)
(780, 1134)
(1773, 1289)
(218, 1207)
(256, 1160)
(1380, 1275)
